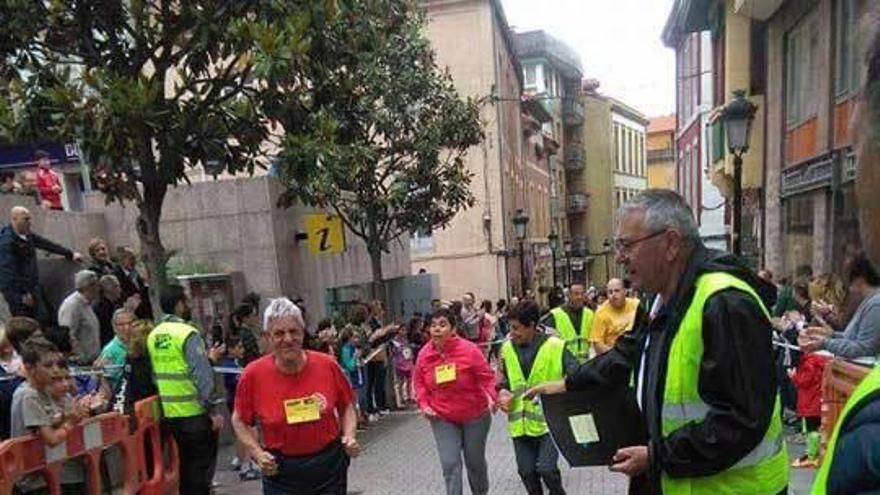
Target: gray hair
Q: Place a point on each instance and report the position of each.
(664, 209)
(280, 308)
(108, 282)
(119, 312)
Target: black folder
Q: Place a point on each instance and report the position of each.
(589, 427)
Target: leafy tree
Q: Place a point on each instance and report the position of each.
(147, 87)
(374, 130)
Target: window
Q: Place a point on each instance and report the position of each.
(846, 21)
(548, 81)
(688, 77)
(531, 76)
(758, 75)
(802, 46)
(421, 240)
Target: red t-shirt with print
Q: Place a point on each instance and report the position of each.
(268, 396)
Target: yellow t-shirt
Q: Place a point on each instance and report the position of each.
(610, 322)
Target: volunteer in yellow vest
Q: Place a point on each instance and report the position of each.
(703, 364)
(850, 462)
(185, 382)
(613, 317)
(572, 322)
(529, 358)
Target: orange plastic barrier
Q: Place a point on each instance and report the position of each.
(838, 381)
(148, 435)
(27, 455)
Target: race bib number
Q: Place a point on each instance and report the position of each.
(444, 373)
(303, 410)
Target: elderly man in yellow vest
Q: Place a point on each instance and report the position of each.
(703, 364)
(185, 381)
(572, 322)
(528, 359)
(613, 317)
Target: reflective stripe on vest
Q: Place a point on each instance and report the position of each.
(578, 343)
(526, 417)
(177, 389)
(765, 468)
(865, 391)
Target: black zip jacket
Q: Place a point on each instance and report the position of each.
(737, 378)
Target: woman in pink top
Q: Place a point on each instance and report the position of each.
(455, 390)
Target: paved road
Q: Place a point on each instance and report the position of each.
(399, 458)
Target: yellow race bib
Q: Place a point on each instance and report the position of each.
(302, 410)
(444, 373)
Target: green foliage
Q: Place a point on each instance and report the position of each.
(374, 130)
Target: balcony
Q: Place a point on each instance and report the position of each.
(572, 112)
(575, 160)
(757, 9)
(577, 203)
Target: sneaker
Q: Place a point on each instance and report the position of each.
(385, 412)
(372, 418)
(235, 463)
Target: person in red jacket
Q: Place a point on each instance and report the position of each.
(48, 183)
(807, 379)
(455, 391)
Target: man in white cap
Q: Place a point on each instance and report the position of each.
(77, 315)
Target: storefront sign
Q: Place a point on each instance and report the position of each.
(814, 174)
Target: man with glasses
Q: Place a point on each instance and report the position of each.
(702, 364)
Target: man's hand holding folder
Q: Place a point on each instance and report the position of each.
(630, 460)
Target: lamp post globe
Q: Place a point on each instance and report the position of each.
(738, 115)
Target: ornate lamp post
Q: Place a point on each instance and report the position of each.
(738, 115)
(553, 239)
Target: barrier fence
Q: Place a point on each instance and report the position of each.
(839, 380)
(149, 456)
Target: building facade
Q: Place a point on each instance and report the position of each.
(738, 52)
(660, 144)
(478, 251)
(551, 75)
(616, 170)
(813, 73)
(694, 101)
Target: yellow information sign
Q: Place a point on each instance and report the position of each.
(325, 234)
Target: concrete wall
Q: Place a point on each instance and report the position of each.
(234, 226)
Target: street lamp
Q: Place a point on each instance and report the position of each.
(738, 116)
(553, 239)
(566, 248)
(520, 224)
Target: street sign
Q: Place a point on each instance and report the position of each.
(325, 234)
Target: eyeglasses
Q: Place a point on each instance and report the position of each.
(621, 245)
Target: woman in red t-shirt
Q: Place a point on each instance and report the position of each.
(455, 390)
(296, 397)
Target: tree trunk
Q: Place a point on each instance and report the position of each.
(152, 250)
(378, 286)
